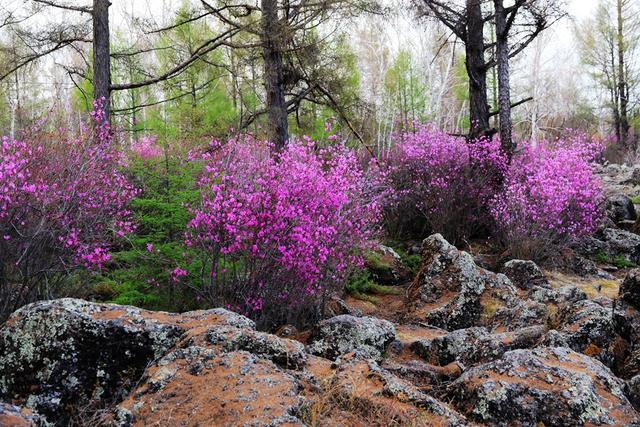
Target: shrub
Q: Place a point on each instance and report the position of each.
(361, 286)
(140, 270)
(280, 232)
(440, 183)
(62, 203)
(550, 197)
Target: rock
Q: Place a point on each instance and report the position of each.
(475, 345)
(633, 391)
(620, 208)
(592, 246)
(336, 306)
(635, 177)
(622, 243)
(386, 266)
(68, 353)
(459, 345)
(452, 292)
(397, 402)
(589, 328)
(628, 225)
(569, 295)
(627, 323)
(199, 386)
(582, 266)
(544, 386)
(343, 334)
(630, 288)
(519, 314)
(559, 296)
(16, 416)
(525, 274)
(553, 338)
(283, 352)
(424, 375)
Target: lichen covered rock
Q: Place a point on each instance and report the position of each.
(57, 356)
(452, 292)
(525, 274)
(475, 345)
(343, 334)
(630, 288)
(198, 386)
(620, 208)
(545, 386)
(16, 416)
(588, 327)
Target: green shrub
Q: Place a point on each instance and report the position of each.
(361, 286)
(140, 272)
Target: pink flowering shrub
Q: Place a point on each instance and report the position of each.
(440, 183)
(550, 197)
(63, 200)
(280, 233)
(146, 148)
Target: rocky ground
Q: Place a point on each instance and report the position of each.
(457, 345)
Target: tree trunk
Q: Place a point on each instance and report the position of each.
(101, 54)
(504, 95)
(622, 82)
(476, 70)
(278, 127)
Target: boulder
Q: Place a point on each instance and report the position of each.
(588, 327)
(365, 385)
(553, 338)
(635, 177)
(633, 391)
(519, 314)
(630, 288)
(544, 386)
(475, 345)
(16, 416)
(60, 355)
(283, 352)
(452, 292)
(525, 274)
(620, 208)
(559, 296)
(343, 334)
(424, 375)
(199, 386)
(622, 243)
(386, 266)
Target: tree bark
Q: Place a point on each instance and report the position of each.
(504, 89)
(622, 82)
(101, 54)
(476, 70)
(278, 127)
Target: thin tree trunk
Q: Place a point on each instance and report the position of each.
(476, 70)
(101, 54)
(622, 82)
(504, 95)
(273, 74)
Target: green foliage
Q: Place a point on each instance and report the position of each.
(617, 261)
(374, 260)
(361, 286)
(140, 272)
(411, 262)
(404, 89)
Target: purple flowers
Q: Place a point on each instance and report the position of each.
(62, 201)
(440, 183)
(281, 232)
(550, 196)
